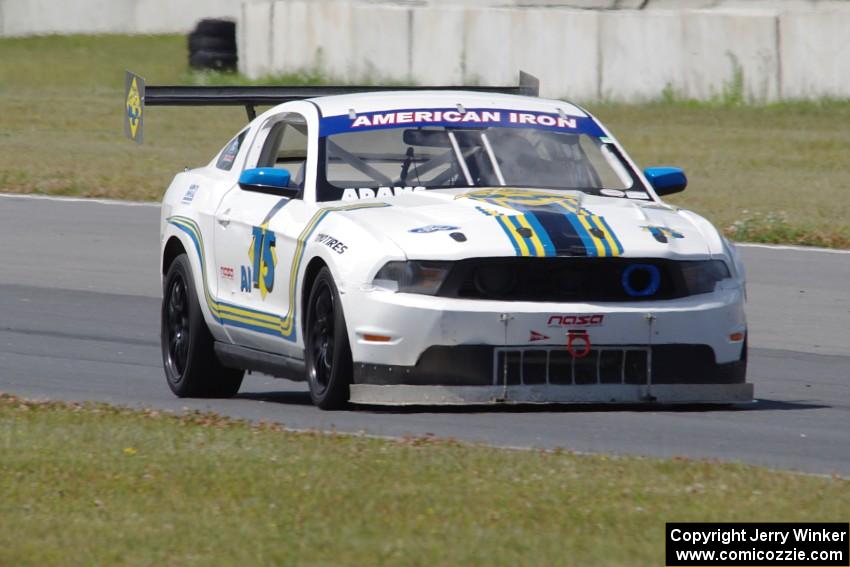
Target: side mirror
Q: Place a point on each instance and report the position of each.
(666, 180)
(267, 180)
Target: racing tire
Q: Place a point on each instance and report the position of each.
(192, 369)
(328, 352)
(211, 43)
(216, 60)
(216, 28)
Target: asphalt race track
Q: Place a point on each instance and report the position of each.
(79, 311)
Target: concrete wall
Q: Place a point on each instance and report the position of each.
(815, 55)
(763, 50)
(580, 49)
(31, 17)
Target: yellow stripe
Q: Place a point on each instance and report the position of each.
(274, 319)
(587, 221)
(286, 324)
(570, 207)
(225, 311)
(523, 245)
(214, 305)
(254, 322)
(535, 239)
(267, 321)
(600, 248)
(594, 221)
(189, 224)
(609, 238)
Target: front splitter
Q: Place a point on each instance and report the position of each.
(406, 395)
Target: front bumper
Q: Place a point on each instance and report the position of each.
(450, 351)
(664, 374)
(405, 395)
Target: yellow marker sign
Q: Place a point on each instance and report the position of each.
(134, 87)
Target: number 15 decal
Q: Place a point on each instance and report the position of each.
(260, 274)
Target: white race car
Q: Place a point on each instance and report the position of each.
(438, 246)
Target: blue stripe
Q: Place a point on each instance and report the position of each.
(331, 125)
(243, 325)
(592, 221)
(501, 220)
(548, 246)
(564, 236)
(514, 220)
(582, 232)
(190, 231)
(194, 238)
(220, 304)
(613, 235)
(189, 227)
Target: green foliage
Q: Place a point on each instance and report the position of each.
(776, 228)
(733, 91)
(760, 159)
(218, 78)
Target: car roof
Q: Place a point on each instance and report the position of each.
(409, 100)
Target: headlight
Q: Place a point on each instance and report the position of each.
(701, 277)
(414, 276)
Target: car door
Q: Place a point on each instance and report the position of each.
(256, 239)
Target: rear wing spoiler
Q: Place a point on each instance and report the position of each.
(137, 96)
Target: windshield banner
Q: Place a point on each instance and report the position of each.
(459, 118)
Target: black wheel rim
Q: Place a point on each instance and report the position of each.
(322, 338)
(177, 327)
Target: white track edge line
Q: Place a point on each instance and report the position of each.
(79, 200)
(792, 248)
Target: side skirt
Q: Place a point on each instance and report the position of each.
(235, 356)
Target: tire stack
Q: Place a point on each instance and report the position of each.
(212, 46)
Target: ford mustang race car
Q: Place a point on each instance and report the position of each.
(439, 246)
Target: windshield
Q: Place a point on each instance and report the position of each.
(388, 157)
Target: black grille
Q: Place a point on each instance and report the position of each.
(565, 279)
(554, 365)
(483, 365)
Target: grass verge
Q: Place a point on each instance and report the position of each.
(773, 173)
(761, 173)
(98, 485)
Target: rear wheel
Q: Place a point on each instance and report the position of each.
(328, 351)
(216, 28)
(211, 43)
(188, 357)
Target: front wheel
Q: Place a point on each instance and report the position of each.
(191, 366)
(328, 352)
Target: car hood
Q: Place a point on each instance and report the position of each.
(459, 223)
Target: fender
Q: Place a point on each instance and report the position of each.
(194, 245)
